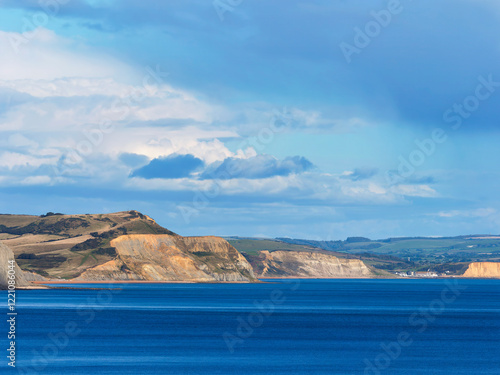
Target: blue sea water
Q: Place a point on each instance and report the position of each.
(285, 327)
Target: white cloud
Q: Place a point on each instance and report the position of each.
(11, 160)
(479, 212)
(306, 186)
(423, 191)
(36, 180)
(68, 87)
(46, 55)
(253, 117)
(65, 95)
(19, 140)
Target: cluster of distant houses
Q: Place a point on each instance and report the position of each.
(417, 274)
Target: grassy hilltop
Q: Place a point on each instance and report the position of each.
(57, 245)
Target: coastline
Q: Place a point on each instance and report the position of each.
(262, 280)
(139, 282)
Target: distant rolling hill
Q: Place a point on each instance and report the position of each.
(254, 245)
(431, 249)
(253, 249)
(450, 255)
(131, 246)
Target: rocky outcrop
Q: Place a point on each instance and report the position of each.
(112, 270)
(172, 258)
(7, 255)
(224, 262)
(303, 264)
(483, 270)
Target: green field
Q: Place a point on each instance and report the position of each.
(253, 246)
(451, 249)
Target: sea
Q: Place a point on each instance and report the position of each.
(342, 326)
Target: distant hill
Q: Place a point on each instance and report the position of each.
(451, 255)
(265, 255)
(419, 249)
(118, 246)
(132, 246)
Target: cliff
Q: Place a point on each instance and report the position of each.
(307, 265)
(172, 258)
(483, 269)
(6, 255)
(63, 246)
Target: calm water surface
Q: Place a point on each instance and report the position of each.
(293, 327)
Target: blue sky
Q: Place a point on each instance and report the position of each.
(306, 119)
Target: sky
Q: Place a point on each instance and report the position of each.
(317, 119)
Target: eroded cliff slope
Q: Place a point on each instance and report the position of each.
(7, 255)
(483, 269)
(306, 264)
(172, 258)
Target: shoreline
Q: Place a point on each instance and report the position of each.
(261, 280)
(48, 285)
(139, 282)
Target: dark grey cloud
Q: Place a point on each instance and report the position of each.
(174, 166)
(178, 166)
(260, 166)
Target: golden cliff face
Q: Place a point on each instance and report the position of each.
(172, 258)
(307, 265)
(483, 269)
